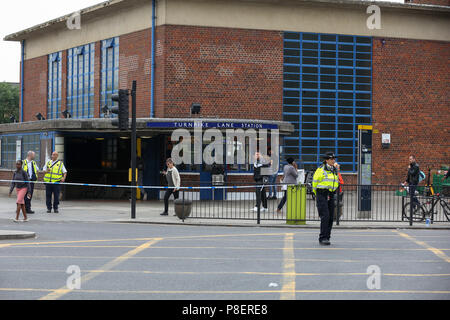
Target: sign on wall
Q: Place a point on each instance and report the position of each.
(18, 149)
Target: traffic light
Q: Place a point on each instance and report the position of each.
(121, 110)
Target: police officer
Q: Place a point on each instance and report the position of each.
(54, 172)
(31, 168)
(325, 183)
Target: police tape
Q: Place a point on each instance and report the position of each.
(143, 187)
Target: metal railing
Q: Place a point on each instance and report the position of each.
(358, 203)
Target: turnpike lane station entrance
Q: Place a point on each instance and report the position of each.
(96, 160)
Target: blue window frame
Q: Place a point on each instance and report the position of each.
(54, 86)
(30, 141)
(80, 81)
(8, 152)
(327, 93)
(110, 71)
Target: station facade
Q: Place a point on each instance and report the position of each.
(314, 70)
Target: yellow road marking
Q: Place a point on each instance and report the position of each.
(288, 281)
(76, 241)
(437, 252)
(288, 275)
(137, 239)
(64, 290)
(240, 248)
(231, 292)
(274, 248)
(214, 258)
(209, 236)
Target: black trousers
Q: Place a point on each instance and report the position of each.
(167, 196)
(28, 201)
(283, 201)
(412, 193)
(325, 206)
(261, 195)
(52, 189)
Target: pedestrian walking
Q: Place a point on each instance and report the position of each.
(173, 182)
(31, 168)
(290, 175)
(21, 183)
(325, 183)
(260, 181)
(412, 179)
(55, 172)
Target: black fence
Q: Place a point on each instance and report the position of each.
(357, 203)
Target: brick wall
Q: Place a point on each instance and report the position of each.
(432, 2)
(411, 101)
(160, 69)
(35, 88)
(134, 64)
(232, 73)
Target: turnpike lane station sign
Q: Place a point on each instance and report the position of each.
(211, 125)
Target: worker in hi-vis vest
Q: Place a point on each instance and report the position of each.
(325, 183)
(31, 168)
(55, 171)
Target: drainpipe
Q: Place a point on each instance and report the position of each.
(22, 80)
(152, 94)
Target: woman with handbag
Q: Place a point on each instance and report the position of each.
(290, 175)
(23, 188)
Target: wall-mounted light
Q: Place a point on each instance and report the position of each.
(106, 111)
(39, 116)
(66, 114)
(385, 140)
(195, 108)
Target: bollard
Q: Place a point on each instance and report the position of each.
(411, 204)
(296, 205)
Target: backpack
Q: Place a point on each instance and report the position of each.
(422, 176)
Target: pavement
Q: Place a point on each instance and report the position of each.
(148, 212)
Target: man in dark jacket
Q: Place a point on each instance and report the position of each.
(412, 179)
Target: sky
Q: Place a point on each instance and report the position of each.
(18, 15)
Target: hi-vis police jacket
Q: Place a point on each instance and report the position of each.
(325, 179)
(34, 166)
(56, 173)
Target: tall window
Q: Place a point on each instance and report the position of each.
(327, 94)
(110, 70)
(8, 152)
(54, 86)
(80, 81)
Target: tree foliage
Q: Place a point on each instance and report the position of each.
(9, 102)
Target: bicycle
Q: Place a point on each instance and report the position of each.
(420, 212)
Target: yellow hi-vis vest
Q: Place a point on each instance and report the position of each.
(325, 179)
(55, 174)
(25, 167)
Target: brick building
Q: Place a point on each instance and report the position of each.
(313, 69)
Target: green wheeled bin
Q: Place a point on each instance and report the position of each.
(296, 205)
